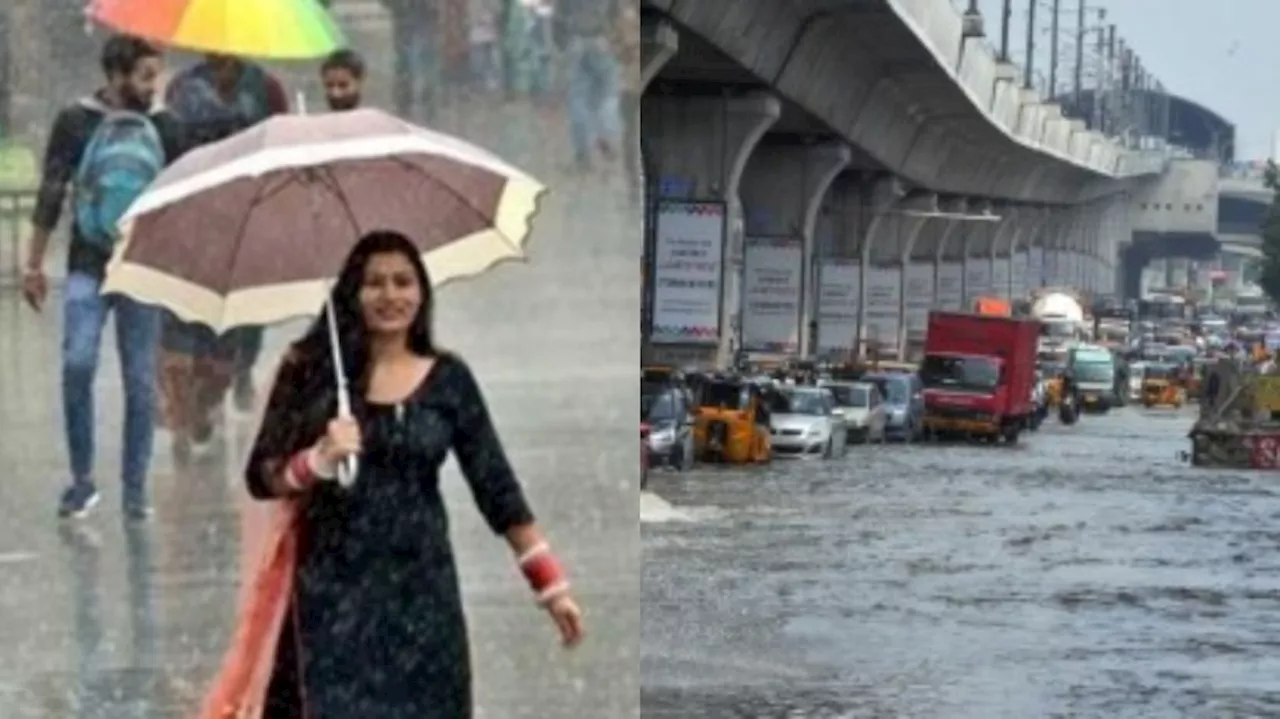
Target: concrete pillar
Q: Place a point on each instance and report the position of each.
(1093, 263)
(1063, 243)
(842, 222)
(979, 239)
(1085, 248)
(948, 271)
(1031, 222)
(783, 188)
(1050, 238)
(1002, 252)
(699, 147)
(879, 250)
(1119, 235)
(659, 42)
(916, 286)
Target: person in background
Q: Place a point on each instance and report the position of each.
(485, 59)
(415, 26)
(593, 79)
(215, 99)
(84, 146)
(342, 75)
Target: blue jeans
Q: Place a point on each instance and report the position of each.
(248, 342)
(137, 334)
(417, 69)
(594, 114)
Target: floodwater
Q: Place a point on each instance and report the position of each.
(1087, 572)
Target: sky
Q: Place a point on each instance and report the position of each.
(1212, 52)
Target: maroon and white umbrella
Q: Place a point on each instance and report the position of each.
(252, 230)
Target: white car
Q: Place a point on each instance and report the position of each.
(862, 408)
(803, 423)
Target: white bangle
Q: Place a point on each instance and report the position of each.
(320, 468)
(532, 553)
(552, 593)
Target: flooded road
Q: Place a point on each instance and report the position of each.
(1085, 573)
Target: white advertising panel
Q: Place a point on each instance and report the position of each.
(884, 292)
(950, 286)
(1000, 277)
(977, 279)
(918, 287)
(688, 262)
(839, 287)
(771, 291)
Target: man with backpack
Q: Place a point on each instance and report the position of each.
(594, 78)
(107, 147)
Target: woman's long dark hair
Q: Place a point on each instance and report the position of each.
(305, 395)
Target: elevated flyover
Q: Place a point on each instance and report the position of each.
(1243, 203)
(822, 173)
(1196, 210)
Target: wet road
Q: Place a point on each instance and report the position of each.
(1084, 573)
(100, 621)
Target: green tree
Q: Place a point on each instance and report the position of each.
(1269, 274)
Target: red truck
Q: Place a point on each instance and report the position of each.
(978, 375)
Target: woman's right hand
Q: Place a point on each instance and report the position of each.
(341, 440)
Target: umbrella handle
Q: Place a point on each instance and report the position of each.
(347, 472)
(351, 465)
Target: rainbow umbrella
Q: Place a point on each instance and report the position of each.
(268, 29)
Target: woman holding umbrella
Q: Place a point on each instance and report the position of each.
(352, 608)
(376, 627)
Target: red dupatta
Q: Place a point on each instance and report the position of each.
(239, 690)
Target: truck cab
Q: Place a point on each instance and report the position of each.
(1093, 369)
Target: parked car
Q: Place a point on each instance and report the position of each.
(861, 407)
(803, 422)
(668, 415)
(903, 395)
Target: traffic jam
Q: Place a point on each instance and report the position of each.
(986, 376)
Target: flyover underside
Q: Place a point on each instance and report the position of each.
(769, 244)
(859, 68)
(772, 234)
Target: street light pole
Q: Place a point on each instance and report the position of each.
(1028, 71)
(1079, 72)
(1053, 49)
(1006, 12)
(1108, 115)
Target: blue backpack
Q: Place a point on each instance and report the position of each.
(123, 156)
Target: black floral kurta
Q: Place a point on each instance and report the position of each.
(377, 626)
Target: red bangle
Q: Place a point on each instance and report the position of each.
(545, 575)
(298, 472)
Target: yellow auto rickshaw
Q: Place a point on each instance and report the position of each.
(731, 422)
(1161, 387)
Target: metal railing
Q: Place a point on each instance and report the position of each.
(15, 213)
